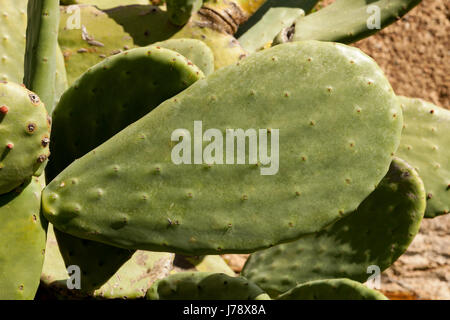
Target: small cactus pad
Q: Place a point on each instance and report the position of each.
(332, 289)
(22, 238)
(377, 233)
(130, 279)
(305, 5)
(425, 145)
(204, 286)
(139, 198)
(61, 83)
(268, 27)
(90, 39)
(24, 135)
(13, 25)
(348, 21)
(112, 95)
(195, 50)
(181, 10)
(41, 49)
(225, 47)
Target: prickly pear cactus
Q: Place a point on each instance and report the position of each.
(262, 33)
(195, 50)
(425, 145)
(90, 39)
(13, 24)
(112, 95)
(130, 279)
(348, 248)
(333, 289)
(22, 234)
(88, 199)
(41, 49)
(24, 135)
(204, 286)
(210, 263)
(348, 21)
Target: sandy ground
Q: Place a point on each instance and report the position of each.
(414, 52)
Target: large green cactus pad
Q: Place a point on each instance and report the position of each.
(128, 279)
(112, 95)
(333, 289)
(24, 135)
(22, 235)
(195, 50)
(377, 233)
(138, 198)
(204, 286)
(348, 21)
(425, 145)
(13, 25)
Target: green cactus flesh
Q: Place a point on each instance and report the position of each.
(103, 275)
(305, 5)
(424, 144)
(377, 233)
(181, 10)
(96, 37)
(348, 21)
(139, 199)
(332, 289)
(268, 27)
(61, 83)
(13, 25)
(24, 135)
(41, 49)
(145, 24)
(195, 50)
(204, 286)
(112, 95)
(22, 234)
(225, 47)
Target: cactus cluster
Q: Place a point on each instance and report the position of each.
(339, 174)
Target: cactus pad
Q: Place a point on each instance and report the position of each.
(377, 233)
(348, 21)
(22, 234)
(181, 10)
(138, 198)
(24, 135)
(204, 286)
(425, 145)
(195, 50)
(13, 25)
(333, 289)
(112, 95)
(268, 27)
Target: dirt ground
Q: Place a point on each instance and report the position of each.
(414, 54)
